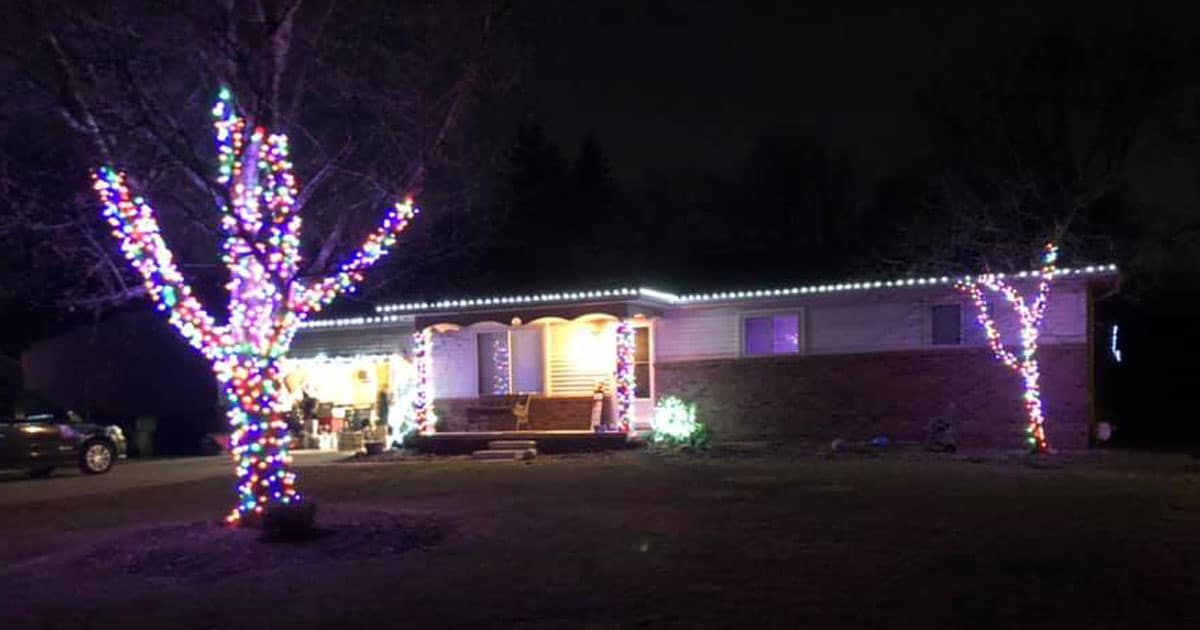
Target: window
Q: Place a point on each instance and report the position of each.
(641, 362)
(764, 335)
(947, 324)
(495, 369)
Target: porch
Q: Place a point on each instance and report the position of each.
(522, 412)
(548, 442)
(575, 368)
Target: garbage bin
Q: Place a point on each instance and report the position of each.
(144, 428)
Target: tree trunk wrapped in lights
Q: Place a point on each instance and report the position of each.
(267, 301)
(1031, 316)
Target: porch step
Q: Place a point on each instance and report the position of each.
(511, 444)
(505, 454)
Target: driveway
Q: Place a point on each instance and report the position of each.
(16, 487)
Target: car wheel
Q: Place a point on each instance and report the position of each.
(97, 457)
(38, 473)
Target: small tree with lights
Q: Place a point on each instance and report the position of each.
(1030, 314)
(267, 301)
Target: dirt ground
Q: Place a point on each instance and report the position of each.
(746, 538)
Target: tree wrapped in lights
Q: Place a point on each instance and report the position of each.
(267, 301)
(1031, 315)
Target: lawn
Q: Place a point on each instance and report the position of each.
(785, 539)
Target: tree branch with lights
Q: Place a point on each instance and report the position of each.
(267, 301)
(1031, 315)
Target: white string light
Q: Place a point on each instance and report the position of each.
(391, 313)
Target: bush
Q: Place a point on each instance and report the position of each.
(674, 425)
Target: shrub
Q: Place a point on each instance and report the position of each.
(675, 424)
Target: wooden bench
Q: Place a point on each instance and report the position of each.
(494, 413)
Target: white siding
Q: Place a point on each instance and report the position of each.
(1066, 319)
(864, 327)
(863, 322)
(455, 374)
(702, 333)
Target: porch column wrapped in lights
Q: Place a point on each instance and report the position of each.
(423, 414)
(626, 380)
(1031, 316)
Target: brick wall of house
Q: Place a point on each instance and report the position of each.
(558, 413)
(564, 413)
(892, 393)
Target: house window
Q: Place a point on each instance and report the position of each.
(495, 363)
(764, 335)
(947, 324)
(641, 362)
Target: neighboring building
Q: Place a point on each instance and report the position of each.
(126, 367)
(851, 360)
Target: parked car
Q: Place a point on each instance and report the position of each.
(37, 438)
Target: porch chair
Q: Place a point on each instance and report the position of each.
(521, 411)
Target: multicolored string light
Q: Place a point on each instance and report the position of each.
(625, 377)
(267, 301)
(501, 366)
(1031, 316)
(423, 411)
(135, 226)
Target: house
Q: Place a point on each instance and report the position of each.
(850, 359)
(129, 366)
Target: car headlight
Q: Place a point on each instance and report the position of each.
(115, 432)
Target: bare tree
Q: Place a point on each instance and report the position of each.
(373, 95)
(1036, 151)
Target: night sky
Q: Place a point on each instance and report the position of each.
(693, 84)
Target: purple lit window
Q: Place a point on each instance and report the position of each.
(757, 337)
(787, 334)
(771, 334)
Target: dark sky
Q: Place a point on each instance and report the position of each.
(677, 84)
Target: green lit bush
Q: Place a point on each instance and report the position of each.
(674, 424)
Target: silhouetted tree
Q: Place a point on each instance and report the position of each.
(373, 96)
(1039, 151)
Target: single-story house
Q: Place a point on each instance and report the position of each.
(851, 360)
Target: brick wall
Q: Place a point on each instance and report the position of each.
(557, 413)
(562, 413)
(893, 394)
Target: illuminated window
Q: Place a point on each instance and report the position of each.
(946, 320)
(765, 335)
